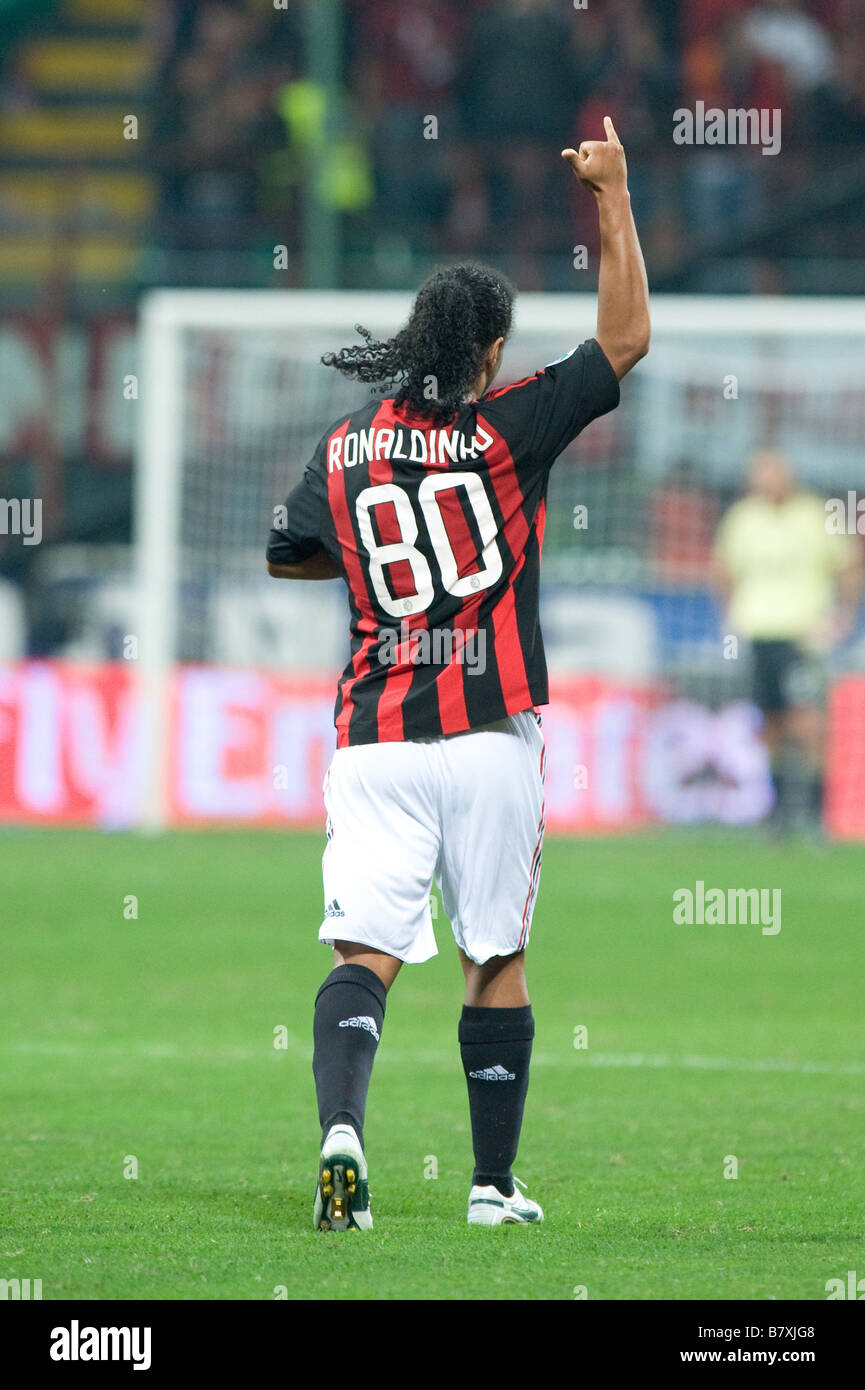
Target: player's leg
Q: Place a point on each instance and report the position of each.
(789, 687)
(499, 983)
(768, 663)
(774, 736)
(377, 870)
(489, 871)
(495, 1034)
(805, 691)
(349, 1015)
(387, 967)
(806, 725)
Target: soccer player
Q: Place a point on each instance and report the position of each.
(792, 589)
(430, 504)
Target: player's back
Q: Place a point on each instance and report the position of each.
(438, 532)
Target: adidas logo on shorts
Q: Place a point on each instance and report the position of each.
(495, 1073)
(361, 1021)
(333, 909)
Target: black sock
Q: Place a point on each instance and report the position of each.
(349, 1013)
(496, 1046)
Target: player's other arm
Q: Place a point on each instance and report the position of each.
(294, 547)
(623, 291)
(317, 566)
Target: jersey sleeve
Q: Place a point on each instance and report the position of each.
(541, 415)
(298, 534)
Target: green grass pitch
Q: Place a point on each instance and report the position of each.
(153, 1039)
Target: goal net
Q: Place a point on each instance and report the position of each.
(233, 401)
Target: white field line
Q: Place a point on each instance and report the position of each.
(566, 1059)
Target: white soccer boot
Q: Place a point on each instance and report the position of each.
(342, 1191)
(487, 1207)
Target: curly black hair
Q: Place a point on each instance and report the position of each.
(458, 313)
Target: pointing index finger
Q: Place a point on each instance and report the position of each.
(611, 131)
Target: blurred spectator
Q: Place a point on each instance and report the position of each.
(464, 105)
(683, 521)
(216, 123)
(781, 31)
(517, 98)
(405, 65)
(624, 72)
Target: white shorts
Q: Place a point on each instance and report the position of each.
(464, 809)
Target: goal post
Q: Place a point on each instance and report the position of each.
(233, 399)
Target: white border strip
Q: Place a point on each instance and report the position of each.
(687, 315)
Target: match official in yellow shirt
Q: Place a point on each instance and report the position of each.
(791, 587)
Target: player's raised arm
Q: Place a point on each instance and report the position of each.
(623, 290)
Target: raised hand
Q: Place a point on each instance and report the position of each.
(600, 164)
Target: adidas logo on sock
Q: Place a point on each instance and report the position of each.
(495, 1073)
(361, 1021)
(333, 909)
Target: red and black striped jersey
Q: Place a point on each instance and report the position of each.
(438, 534)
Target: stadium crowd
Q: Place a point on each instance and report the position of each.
(446, 133)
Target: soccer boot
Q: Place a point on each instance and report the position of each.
(342, 1191)
(487, 1207)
